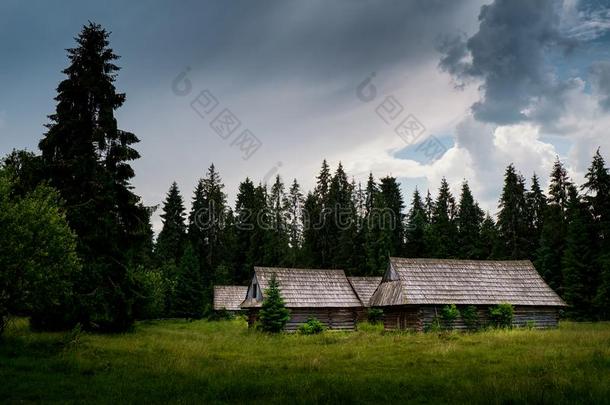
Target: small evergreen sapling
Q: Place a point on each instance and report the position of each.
(273, 315)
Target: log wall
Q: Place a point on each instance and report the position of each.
(419, 317)
(332, 318)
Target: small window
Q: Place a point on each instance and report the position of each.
(254, 289)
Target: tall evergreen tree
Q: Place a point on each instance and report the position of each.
(489, 236)
(278, 238)
(86, 157)
(416, 227)
(342, 222)
(597, 198)
(293, 207)
(442, 232)
(554, 229)
(273, 314)
(536, 207)
(579, 277)
(512, 220)
(189, 300)
(468, 220)
(170, 242)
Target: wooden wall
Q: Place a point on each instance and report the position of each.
(333, 318)
(417, 318)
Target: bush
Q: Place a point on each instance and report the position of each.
(501, 315)
(374, 315)
(470, 316)
(152, 289)
(312, 327)
(449, 313)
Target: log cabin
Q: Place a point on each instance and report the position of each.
(364, 288)
(326, 295)
(229, 297)
(413, 291)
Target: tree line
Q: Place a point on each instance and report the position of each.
(90, 256)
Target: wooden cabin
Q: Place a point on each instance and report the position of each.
(413, 291)
(326, 295)
(229, 297)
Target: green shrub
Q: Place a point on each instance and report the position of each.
(273, 315)
(501, 315)
(470, 316)
(312, 327)
(374, 315)
(530, 324)
(151, 298)
(449, 313)
(434, 326)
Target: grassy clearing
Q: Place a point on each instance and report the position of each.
(178, 361)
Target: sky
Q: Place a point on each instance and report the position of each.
(419, 90)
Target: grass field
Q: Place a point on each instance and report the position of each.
(178, 361)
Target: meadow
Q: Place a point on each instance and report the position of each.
(214, 362)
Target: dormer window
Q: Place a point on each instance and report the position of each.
(254, 290)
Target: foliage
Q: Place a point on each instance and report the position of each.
(470, 316)
(38, 261)
(188, 301)
(374, 315)
(86, 157)
(501, 315)
(273, 315)
(448, 315)
(312, 327)
(152, 289)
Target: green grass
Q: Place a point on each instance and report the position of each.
(196, 362)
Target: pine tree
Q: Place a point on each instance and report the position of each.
(468, 220)
(86, 158)
(273, 315)
(554, 229)
(442, 232)
(293, 207)
(341, 225)
(278, 240)
(489, 236)
(170, 242)
(536, 207)
(597, 198)
(416, 227)
(512, 219)
(189, 300)
(579, 277)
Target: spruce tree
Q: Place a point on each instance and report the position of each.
(442, 232)
(170, 242)
(341, 225)
(416, 227)
(554, 229)
(273, 314)
(512, 219)
(293, 207)
(468, 220)
(189, 299)
(277, 244)
(536, 207)
(86, 157)
(488, 238)
(579, 276)
(597, 198)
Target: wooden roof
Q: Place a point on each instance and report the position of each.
(364, 287)
(229, 297)
(476, 282)
(307, 288)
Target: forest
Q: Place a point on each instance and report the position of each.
(78, 246)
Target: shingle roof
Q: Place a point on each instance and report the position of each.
(229, 297)
(364, 287)
(307, 288)
(444, 281)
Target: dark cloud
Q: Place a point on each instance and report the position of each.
(509, 53)
(600, 78)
